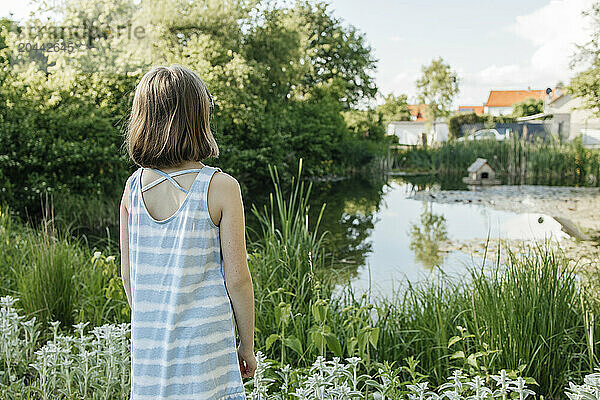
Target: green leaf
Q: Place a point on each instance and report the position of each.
(531, 381)
(294, 344)
(334, 344)
(453, 340)
(317, 339)
(271, 339)
(472, 360)
(373, 336)
(362, 340)
(351, 344)
(458, 354)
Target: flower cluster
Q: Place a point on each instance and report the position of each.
(81, 366)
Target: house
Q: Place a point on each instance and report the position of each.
(411, 132)
(500, 102)
(571, 118)
(417, 112)
(408, 132)
(480, 173)
(470, 109)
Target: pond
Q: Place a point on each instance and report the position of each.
(382, 236)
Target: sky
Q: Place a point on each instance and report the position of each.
(491, 44)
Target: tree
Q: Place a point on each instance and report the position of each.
(366, 123)
(586, 84)
(437, 88)
(527, 107)
(394, 109)
(333, 55)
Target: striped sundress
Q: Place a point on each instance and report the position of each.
(183, 339)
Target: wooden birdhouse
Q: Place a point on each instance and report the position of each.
(480, 173)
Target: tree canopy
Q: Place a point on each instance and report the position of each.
(437, 87)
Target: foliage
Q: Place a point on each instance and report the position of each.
(98, 363)
(281, 75)
(63, 144)
(527, 107)
(57, 277)
(571, 162)
(586, 84)
(89, 365)
(334, 54)
(426, 236)
(456, 121)
(394, 108)
(366, 123)
(437, 87)
(287, 261)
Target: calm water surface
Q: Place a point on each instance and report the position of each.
(383, 237)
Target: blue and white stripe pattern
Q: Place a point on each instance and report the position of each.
(183, 339)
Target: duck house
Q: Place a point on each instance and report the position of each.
(480, 173)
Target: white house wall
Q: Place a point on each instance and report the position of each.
(582, 121)
(409, 132)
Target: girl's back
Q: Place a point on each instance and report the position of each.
(183, 339)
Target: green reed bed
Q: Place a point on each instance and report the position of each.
(287, 262)
(551, 162)
(529, 315)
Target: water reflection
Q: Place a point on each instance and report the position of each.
(426, 236)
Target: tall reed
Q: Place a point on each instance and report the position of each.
(516, 160)
(287, 260)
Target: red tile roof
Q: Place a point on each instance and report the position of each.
(417, 111)
(506, 98)
(476, 109)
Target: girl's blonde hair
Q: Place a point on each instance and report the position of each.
(169, 121)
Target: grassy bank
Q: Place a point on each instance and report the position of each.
(530, 317)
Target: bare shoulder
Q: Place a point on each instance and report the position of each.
(125, 197)
(226, 185)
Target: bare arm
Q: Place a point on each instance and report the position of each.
(233, 246)
(124, 239)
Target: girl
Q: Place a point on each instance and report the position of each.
(183, 251)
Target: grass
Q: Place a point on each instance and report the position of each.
(56, 276)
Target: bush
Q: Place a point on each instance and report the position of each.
(55, 141)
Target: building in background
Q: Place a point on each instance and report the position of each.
(417, 112)
(470, 109)
(572, 119)
(410, 133)
(500, 102)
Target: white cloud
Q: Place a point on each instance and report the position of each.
(552, 30)
(499, 75)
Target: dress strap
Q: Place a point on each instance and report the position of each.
(169, 177)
